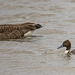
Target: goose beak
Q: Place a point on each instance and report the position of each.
(60, 47)
(38, 26)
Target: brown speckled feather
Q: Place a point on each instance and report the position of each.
(11, 27)
(12, 31)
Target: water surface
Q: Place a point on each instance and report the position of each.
(38, 54)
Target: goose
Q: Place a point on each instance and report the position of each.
(14, 31)
(67, 44)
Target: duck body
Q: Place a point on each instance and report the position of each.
(73, 51)
(13, 31)
(67, 44)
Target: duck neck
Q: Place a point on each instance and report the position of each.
(67, 52)
(68, 48)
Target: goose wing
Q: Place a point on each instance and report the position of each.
(13, 31)
(12, 27)
(12, 35)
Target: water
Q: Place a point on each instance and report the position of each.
(38, 54)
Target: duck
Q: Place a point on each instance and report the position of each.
(68, 50)
(14, 31)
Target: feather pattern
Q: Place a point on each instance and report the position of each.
(13, 31)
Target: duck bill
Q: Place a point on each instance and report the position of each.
(60, 47)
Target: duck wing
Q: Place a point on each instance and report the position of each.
(73, 51)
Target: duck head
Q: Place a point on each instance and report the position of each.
(66, 44)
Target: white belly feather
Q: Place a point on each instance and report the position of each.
(28, 33)
(67, 51)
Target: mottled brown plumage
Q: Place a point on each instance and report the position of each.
(13, 31)
(11, 27)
